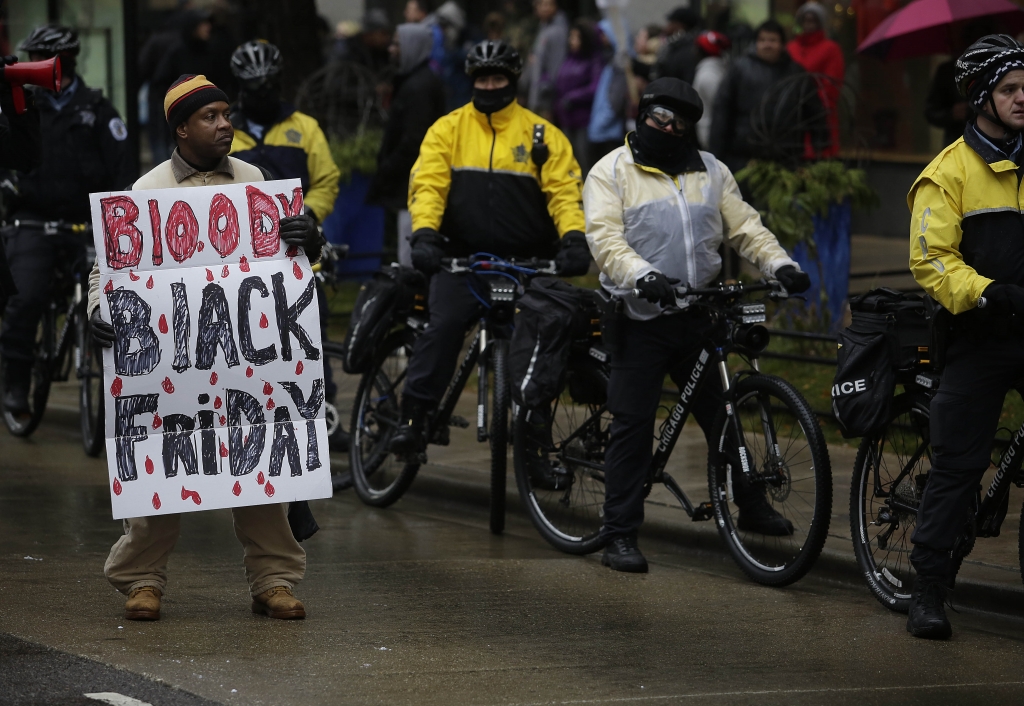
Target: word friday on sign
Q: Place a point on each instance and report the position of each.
(216, 388)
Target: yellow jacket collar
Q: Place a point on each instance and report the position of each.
(499, 118)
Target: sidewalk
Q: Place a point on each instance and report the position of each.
(990, 576)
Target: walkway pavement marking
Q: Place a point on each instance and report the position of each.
(769, 692)
(115, 699)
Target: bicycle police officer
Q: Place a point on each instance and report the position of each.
(477, 186)
(967, 251)
(84, 150)
(656, 210)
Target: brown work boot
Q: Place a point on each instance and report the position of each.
(143, 604)
(278, 602)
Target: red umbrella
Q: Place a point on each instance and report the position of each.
(922, 27)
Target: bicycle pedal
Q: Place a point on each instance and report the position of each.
(460, 422)
(704, 511)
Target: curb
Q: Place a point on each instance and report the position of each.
(832, 564)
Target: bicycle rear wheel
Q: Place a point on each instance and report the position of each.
(379, 478)
(90, 386)
(498, 435)
(341, 391)
(40, 378)
(788, 466)
(570, 516)
(888, 479)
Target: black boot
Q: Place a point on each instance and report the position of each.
(927, 615)
(410, 440)
(757, 515)
(17, 381)
(536, 441)
(622, 554)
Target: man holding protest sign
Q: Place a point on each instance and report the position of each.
(198, 114)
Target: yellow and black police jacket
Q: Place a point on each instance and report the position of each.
(293, 148)
(476, 183)
(966, 229)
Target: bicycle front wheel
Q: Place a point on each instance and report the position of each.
(888, 478)
(784, 463)
(380, 479)
(90, 387)
(498, 434)
(340, 395)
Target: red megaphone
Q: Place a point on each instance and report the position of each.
(37, 73)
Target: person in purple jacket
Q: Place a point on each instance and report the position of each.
(575, 87)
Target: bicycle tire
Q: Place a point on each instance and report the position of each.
(41, 378)
(890, 576)
(339, 399)
(90, 387)
(498, 435)
(569, 520)
(770, 404)
(379, 478)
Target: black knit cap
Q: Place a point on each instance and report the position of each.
(187, 95)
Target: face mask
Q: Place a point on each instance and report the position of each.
(261, 106)
(493, 100)
(663, 150)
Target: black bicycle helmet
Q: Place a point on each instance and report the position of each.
(985, 63)
(51, 39)
(255, 60)
(489, 57)
(675, 94)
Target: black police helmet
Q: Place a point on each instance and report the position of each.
(675, 94)
(51, 39)
(988, 54)
(255, 60)
(489, 57)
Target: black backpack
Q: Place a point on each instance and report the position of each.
(891, 337)
(550, 317)
(393, 293)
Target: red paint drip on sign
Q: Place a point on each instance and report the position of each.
(223, 420)
(224, 272)
(223, 450)
(243, 264)
(167, 385)
(248, 372)
(149, 282)
(267, 388)
(260, 478)
(296, 270)
(213, 378)
(200, 246)
(117, 487)
(270, 403)
(115, 387)
(236, 488)
(163, 323)
(263, 321)
(269, 490)
(156, 501)
(149, 466)
(157, 421)
(109, 287)
(133, 277)
(217, 402)
(209, 275)
(298, 368)
(186, 494)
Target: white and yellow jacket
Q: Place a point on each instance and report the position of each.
(641, 220)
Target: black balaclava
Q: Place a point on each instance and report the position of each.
(670, 153)
(262, 104)
(492, 100)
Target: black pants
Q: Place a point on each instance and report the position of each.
(964, 417)
(648, 351)
(33, 258)
(453, 311)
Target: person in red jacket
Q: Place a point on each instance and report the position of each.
(820, 55)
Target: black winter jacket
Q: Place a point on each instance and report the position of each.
(739, 100)
(418, 101)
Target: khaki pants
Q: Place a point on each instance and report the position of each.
(271, 556)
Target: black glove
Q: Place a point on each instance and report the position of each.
(793, 279)
(657, 288)
(426, 250)
(102, 332)
(1004, 298)
(302, 231)
(573, 258)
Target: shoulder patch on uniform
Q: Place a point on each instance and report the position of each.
(293, 136)
(519, 153)
(118, 129)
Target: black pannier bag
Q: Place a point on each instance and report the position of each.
(890, 336)
(393, 293)
(549, 316)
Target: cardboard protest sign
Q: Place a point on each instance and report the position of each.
(215, 385)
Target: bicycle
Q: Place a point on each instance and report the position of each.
(889, 477)
(380, 478)
(53, 360)
(765, 429)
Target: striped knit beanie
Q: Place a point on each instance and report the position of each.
(187, 95)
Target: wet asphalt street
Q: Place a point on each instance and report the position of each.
(419, 604)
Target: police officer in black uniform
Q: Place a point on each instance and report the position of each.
(84, 150)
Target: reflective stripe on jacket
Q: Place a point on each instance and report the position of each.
(965, 227)
(293, 148)
(475, 182)
(641, 220)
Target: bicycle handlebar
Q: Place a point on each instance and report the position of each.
(728, 290)
(476, 264)
(54, 227)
